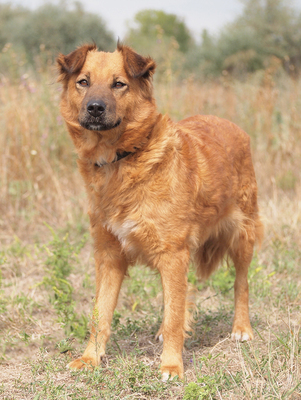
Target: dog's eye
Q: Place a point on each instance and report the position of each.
(83, 82)
(118, 85)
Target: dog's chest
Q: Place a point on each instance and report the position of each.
(142, 220)
(124, 230)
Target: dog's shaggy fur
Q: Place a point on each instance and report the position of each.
(160, 193)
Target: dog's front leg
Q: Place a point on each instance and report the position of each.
(110, 271)
(173, 268)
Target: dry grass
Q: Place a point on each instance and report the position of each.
(39, 184)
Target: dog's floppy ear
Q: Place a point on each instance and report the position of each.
(73, 62)
(135, 65)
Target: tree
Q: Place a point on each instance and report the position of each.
(265, 31)
(153, 24)
(54, 28)
(10, 18)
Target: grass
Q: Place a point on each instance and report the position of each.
(47, 272)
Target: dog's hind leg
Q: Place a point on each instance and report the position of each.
(242, 256)
(109, 276)
(173, 268)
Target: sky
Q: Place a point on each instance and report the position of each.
(197, 14)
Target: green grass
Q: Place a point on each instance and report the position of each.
(62, 257)
(46, 324)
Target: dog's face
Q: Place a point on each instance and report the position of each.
(101, 86)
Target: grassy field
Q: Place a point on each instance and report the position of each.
(47, 271)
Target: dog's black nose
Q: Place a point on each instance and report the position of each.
(96, 108)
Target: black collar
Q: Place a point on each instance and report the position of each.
(120, 156)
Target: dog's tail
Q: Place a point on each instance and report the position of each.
(225, 241)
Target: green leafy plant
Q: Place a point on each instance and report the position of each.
(204, 388)
(61, 256)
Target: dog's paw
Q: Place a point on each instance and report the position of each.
(171, 372)
(159, 337)
(165, 376)
(159, 334)
(242, 334)
(82, 363)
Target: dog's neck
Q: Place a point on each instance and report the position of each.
(119, 156)
(127, 144)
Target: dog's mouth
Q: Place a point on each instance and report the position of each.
(99, 126)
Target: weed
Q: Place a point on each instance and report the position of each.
(142, 287)
(61, 255)
(126, 377)
(17, 248)
(260, 282)
(65, 345)
(287, 180)
(203, 389)
(223, 279)
(3, 300)
(285, 256)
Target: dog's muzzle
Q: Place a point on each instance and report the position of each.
(98, 115)
(96, 125)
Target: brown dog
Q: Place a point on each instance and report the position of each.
(160, 193)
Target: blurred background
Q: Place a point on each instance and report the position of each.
(206, 38)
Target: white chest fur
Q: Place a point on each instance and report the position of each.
(123, 231)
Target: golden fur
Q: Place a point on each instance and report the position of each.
(160, 193)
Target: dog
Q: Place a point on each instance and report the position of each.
(160, 193)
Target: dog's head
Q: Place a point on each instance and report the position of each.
(103, 89)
